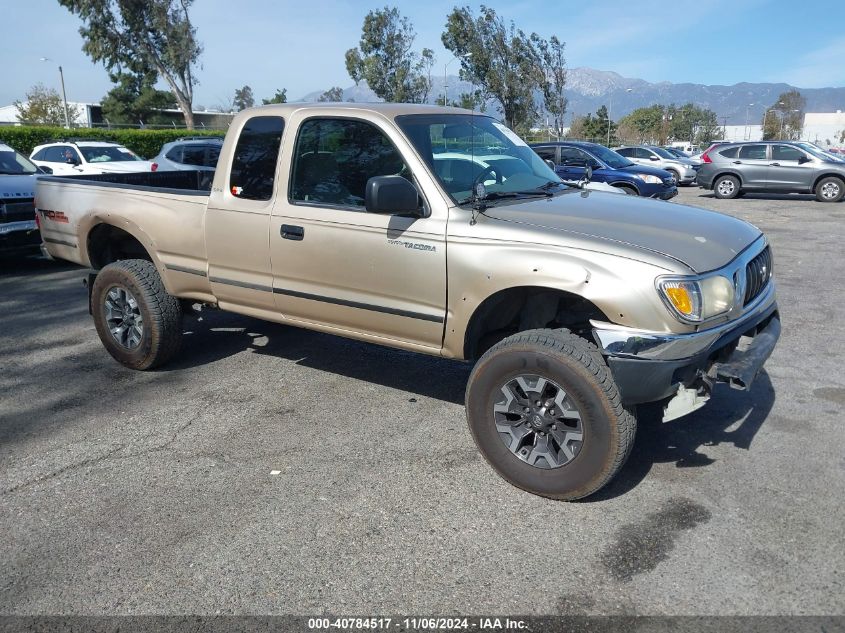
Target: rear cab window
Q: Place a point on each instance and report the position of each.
(253, 170)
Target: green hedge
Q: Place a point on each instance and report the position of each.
(145, 143)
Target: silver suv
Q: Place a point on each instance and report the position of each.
(733, 169)
(189, 153)
(683, 169)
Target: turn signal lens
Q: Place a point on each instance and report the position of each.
(681, 299)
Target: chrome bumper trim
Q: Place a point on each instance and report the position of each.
(617, 340)
(14, 227)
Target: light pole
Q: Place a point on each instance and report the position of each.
(609, 110)
(64, 96)
(746, 121)
(445, 84)
(783, 118)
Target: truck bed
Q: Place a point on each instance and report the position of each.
(182, 182)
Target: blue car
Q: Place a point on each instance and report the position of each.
(571, 159)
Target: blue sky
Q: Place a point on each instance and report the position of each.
(300, 45)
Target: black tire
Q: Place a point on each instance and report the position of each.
(830, 189)
(628, 189)
(726, 187)
(676, 175)
(607, 428)
(161, 314)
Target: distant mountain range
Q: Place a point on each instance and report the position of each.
(588, 89)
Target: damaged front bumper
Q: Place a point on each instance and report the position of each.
(650, 366)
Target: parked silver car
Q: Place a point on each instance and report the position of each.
(683, 169)
(733, 169)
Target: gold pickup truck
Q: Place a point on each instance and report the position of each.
(440, 231)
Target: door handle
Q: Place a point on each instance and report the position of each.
(774, 164)
(291, 232)
(737, 162)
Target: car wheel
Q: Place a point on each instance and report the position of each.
(726, 187)
(676, 176)
(545, 412)
(139, 324)
(628, 189)
(830, 189)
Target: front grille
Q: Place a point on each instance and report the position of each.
(17, 211)
(758, 272)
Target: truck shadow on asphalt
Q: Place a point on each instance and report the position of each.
(731, 417)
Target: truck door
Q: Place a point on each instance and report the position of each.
(336, 265)
(237, 222)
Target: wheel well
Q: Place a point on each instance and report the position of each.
(628, 185)
(107, 244)
(725, 173)
(526, 308)
(823, 176)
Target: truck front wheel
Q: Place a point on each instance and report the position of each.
(138, 322)
(545, 412)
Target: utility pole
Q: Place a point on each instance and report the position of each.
(724, 128)
(64, 96)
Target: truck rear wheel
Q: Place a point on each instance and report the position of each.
(545, 412)
(138, 322)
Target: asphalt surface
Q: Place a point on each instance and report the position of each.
(125, 493)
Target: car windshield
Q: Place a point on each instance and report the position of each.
(107, 154)
(662, 152)
(609, 157)
(465, 150)
(13, 163)
(818, 152)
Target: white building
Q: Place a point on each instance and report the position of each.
(78, 112)
(824, 128)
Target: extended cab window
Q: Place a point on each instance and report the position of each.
(334, 158)
(254, 163)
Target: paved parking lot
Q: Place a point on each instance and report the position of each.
(126, 492)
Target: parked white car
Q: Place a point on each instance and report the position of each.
(88, 157)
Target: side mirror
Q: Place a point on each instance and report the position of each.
(804, 159)
(653, 157)
(588, 173)
(45, 170)
(392, 195)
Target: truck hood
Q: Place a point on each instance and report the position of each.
(702, 240)
(17, 186)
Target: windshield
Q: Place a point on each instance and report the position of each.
(609, 157)
(107, 154)
(13, 163)
(663, 153)
(464, 150)
(818, 152)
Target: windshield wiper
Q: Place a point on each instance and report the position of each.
(541, 192)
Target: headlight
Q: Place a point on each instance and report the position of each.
(654, 180)
(696, 300)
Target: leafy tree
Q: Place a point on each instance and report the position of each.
(243, 99)
(134, 34)
(385, 59)
(135, 99)
(501, 59)
(332, 95)
(281, 96)
(644, 123)
(593, 128)
(785, 118)
(43, 106)
(553, 81)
